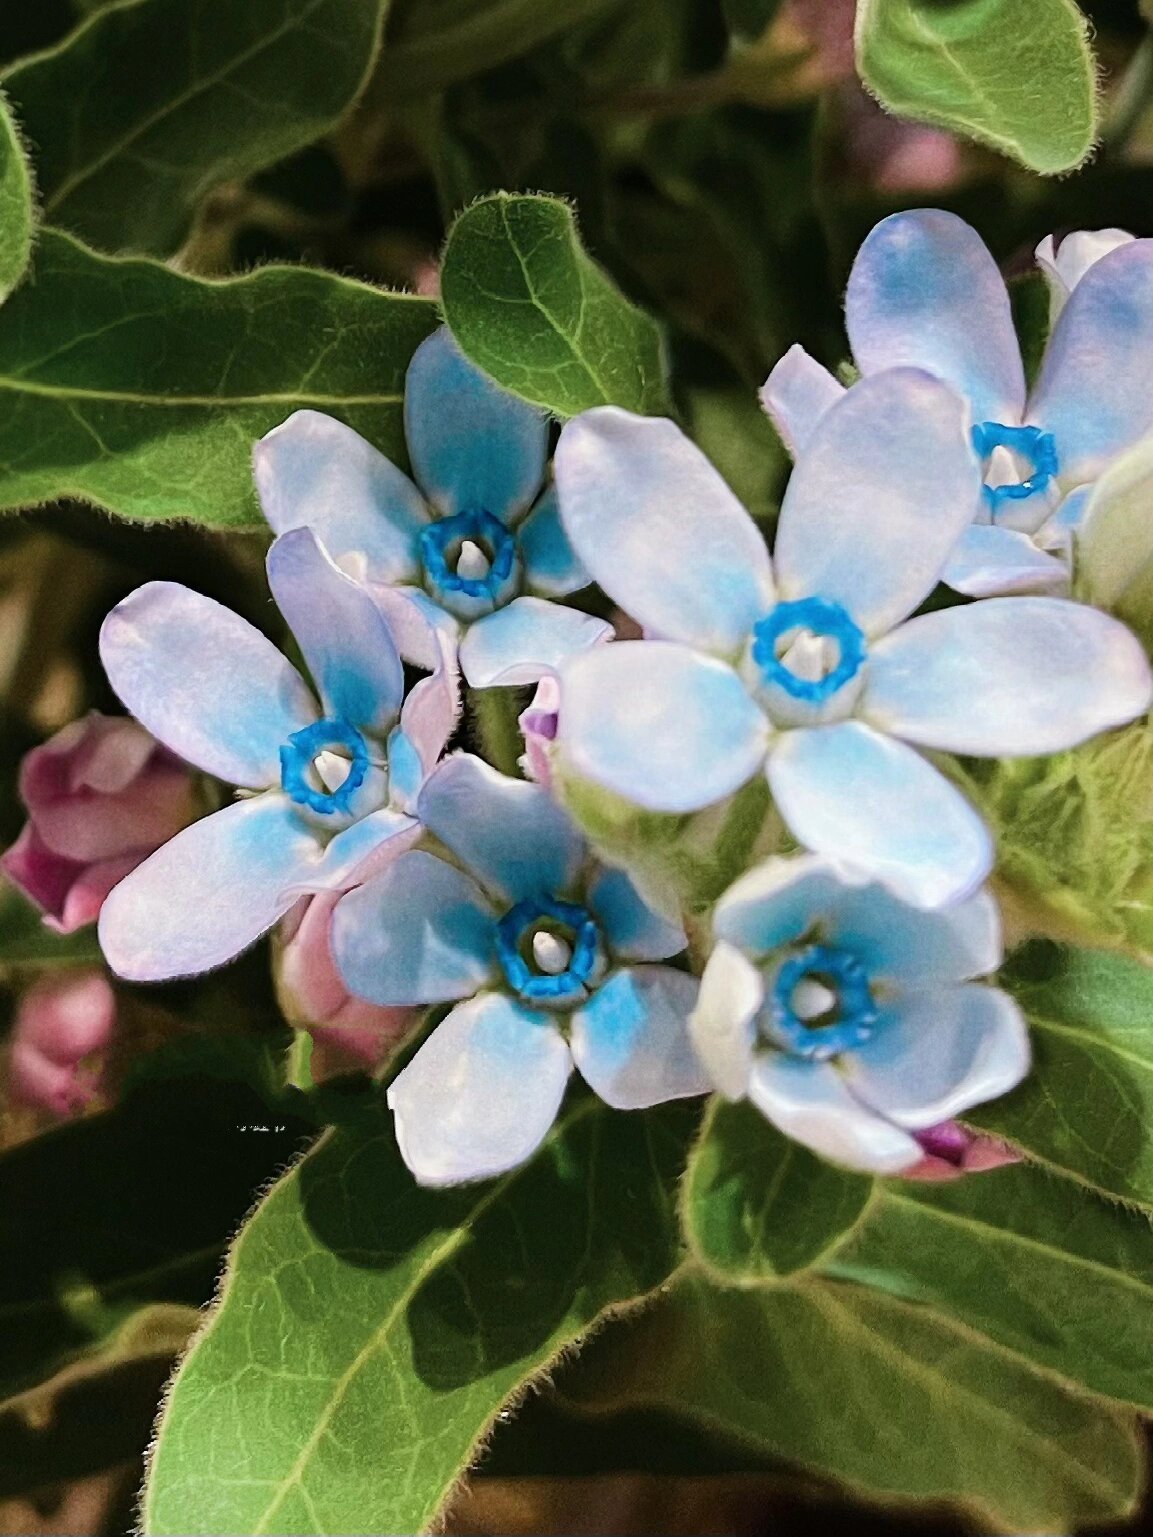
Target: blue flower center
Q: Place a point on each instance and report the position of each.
(1030, 444)
(821, 620)
(469, 561)
(549, 950)
(307, 775)
(821, 1003)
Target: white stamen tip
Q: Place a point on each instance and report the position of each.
(472, 564)
(812, 999)
(551, 954)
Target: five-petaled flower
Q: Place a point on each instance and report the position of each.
(335, 781)
(924, 291)
(851, 1019)
(809, 663)
(554, 955)
(472, 545)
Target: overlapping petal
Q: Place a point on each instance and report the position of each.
(885, 487)
(722, 1026)
(989, 561)
(924, 291)
(633, 930)
(551, 565)
(1007, 677)
(796, 395)
(630, 1042)
(204, 682)
(481, 1093)
(660, 531)
(527, 638)
(811, 1102)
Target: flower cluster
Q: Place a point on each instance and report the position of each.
(836, 983)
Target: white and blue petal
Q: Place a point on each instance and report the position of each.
(526, 639)
(723, 1024)
(937, 1052)
(924, 291)
(473, 446)
(778, 903)
(1095, 389)
(810, 1102)
(551, 566)
(989, 561)
(796, 395)
(916, 946)
(356, 852)
(419, 932)
(632, 929)
(208, 893)
(343, 636)
(1008, 677)
(630, 1042)
(204, 682)
(314, 472)
(510, 834)
(663, 726)
(482, 1092)
(1066, 264)
(888, 481)
(877, 806)
(660, 531)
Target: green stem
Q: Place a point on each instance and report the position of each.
(495, 714)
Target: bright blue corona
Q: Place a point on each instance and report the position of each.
(1032, 444)
(444, 538)
(820, 617)
(850, 1020)
(514, 935)
(300, 752)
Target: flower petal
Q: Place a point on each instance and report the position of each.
(421, 629)
(1095, 389)
(524, 640)
(429, 714)
(314, 472)
(722, 1026)
(796, 395)
(879, 498)
(925, 291)
(877, 805)
(938, 1052)
(481, 1093)
(510, 834)
(1065, 265)
(204, 682)
(633, 930)
(660, 531)
(663, 726)
(778, 902)
(810, 1102)
(208, 893)
(419, 932)
(551, 567)
(1008, 677)
(631, 1043)
(354, 854)
(343, 636)
(472, 444)
(988, 561)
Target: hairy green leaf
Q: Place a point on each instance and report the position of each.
(1020, 78)
(129, 385)
(530, 307)
(890, 1399)
(369, 1331)
(758, 1205)
(16, 216)
(1087, 1106)
(1037, 1264)
(145, 108)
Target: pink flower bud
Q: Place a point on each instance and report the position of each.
(101, 796)
(62, 1022)
(951, 1150)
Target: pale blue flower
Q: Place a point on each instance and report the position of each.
(924, 291)
(475, 544)
(850, 1019)
(325, 784)
(809, 663)
(548, 959)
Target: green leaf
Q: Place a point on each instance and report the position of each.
(757, 1205)
(216, 94)
(409, 1316)
(16, 216)
(26, 941)
(1037, 1264)
(129, 385)
(893, 1400)
(1020, 78)
(1087, 1106)
(529, 306)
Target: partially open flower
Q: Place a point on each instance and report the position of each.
(63, 1023)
